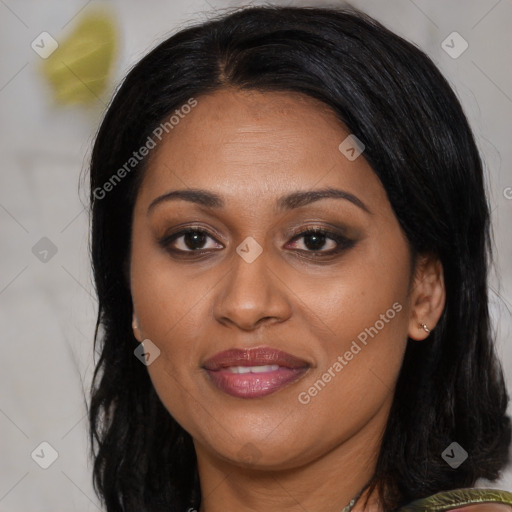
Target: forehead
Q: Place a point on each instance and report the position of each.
(251, 144)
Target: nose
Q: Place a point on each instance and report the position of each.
(251, 293)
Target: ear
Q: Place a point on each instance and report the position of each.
(136, 329)
(428, 296)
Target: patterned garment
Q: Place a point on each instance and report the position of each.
(453, 500)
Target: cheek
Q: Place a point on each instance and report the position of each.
(171, 306)
(362, 318)
(162, 295)
(363, 291)
(165, 311)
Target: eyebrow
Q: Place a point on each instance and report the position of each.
(288, 202)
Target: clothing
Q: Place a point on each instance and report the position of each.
(451, 500)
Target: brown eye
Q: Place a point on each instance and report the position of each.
(315, 239)
(194, 240)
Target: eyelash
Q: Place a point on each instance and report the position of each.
(343, 242)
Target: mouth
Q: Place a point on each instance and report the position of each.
(254, 373)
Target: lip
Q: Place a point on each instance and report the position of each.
(254, 385)
(256, 356)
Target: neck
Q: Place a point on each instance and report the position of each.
(327, 483)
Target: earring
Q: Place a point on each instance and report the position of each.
(425, 328)
(135, 327)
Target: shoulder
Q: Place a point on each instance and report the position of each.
(463, 500)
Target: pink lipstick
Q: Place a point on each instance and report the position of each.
(253, 373)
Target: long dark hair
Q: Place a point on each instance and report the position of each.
(418, 142)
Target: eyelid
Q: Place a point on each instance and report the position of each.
(342, 241)
(167, 239)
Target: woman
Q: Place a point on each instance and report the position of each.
(328, 345)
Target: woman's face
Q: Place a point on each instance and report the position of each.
(340, 306)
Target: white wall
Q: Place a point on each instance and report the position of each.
(47, 310)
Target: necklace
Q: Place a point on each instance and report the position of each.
(353, 501)
(347, 508)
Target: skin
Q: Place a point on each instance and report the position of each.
(251, 148)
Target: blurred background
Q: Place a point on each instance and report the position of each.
(50, 109)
